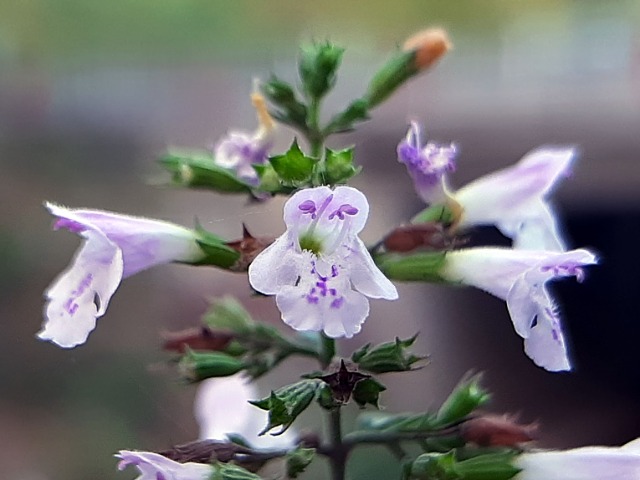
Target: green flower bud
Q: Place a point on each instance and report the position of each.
(422, 266)
(465, 398)
(197, 366)
(433, 466)
(317, 66)
(387, 357)
(299, 460)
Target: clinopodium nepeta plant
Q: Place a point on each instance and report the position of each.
(322, 277)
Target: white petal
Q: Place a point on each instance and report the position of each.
(153, 466)
(545, 343)
(94, 276)
(539, 232)
(366, 276)
(274, 267)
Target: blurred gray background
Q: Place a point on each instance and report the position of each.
(91, 92)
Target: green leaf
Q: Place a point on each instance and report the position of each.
(387, 357)
(367, 391)
(299, 460)
(197, 169)
(464, 399)
(318, 65)
(338, 166)
(294, 167)
(216, 251)
(493, 466)
(422, 267)
(228, 315)
(285, 404)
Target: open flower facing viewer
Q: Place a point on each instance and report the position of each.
(319, 270)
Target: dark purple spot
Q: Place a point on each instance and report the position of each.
(334, 271)
(308, 206)
(70, 225)
(337, 302)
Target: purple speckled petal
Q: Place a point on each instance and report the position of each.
(81, 294)
(153, 466)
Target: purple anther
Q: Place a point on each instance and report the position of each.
(344, 209)
(334, 271)
(308, 206)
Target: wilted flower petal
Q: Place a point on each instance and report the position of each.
(319, 270)
(153, 466)
(519, 277)
(587, 463)
(115, 247)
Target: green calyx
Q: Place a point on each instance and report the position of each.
(310, 243)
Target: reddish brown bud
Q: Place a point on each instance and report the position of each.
(249, 247)
(426, 236)
(429, 45)
(496, 431)
(196, 339)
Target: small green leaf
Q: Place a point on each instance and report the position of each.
(367, 391)
(216, 251)
(299, 460)
(285, 404)
(294, 167)
(229, 471)
(338, 166)
(198, 170)
(433, 466)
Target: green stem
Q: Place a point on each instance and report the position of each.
(338, 460)
(327, 350)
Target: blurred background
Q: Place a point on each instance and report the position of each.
(91, 92)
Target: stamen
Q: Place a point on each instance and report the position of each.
(344, 209)
(308, 206)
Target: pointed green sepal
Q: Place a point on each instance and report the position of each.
(215, 250)
(197, 366)
(318, 66)
(197, 169)
(367, 391)
(294, 167)
(416, 267)
(387, 357)
(464, 399)
(433, 466)
(338, 166)
(298, 461)
(285, 404)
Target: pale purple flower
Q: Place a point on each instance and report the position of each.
(239, 150)
(319, 270)
(222, 407)
(115, 247)
(587, 463)
(153, 466)
(514, 199)
(519, 277)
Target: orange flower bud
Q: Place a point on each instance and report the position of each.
(429, 45)
(496, 431)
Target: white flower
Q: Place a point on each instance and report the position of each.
(153, 466)
(513, 199)
(587, 463)
(319, 270)
(115, 247)
(519, 277)
(222, 407)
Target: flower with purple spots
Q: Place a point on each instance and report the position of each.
(115, 247)
(319, 270)
(239, 151)
(519, 277)
(153, 466)
(513, 199)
